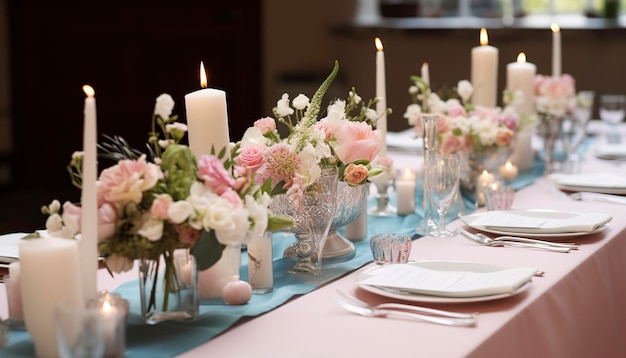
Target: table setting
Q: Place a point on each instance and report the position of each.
(218, 247)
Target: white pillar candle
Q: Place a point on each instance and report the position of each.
(381, 95)
(484, 72)
(508, 171)
(207, 119)
(425, 73)
(49, 275)
(405, 192)
(520, 77)
(260, 263)
(556, 50)
(88, 243)
(482, 182)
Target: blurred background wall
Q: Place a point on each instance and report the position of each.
(254, 50)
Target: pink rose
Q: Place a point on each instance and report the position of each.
(357, 141)
(503, 137)
(355, 174)
(251, 156)
(211, 170)
(450, 143)
(125, 182)
(160, 205)
(265, 125)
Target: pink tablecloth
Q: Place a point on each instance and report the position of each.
(577, 310)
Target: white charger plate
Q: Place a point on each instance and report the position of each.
(442, 266)
(467, 219)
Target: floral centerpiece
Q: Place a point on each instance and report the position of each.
(150, 204)
(342, 136)
(317, 143)
(554, 98)
(462, 127)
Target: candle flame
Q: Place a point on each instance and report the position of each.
(485, 172)
(89, 91)
(203, 78)
(379, 44)
(555, 27)
(484, 38)
(106, 307)
(508, 165)
(521, 57)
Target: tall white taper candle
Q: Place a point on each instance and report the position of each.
(381, 94)
(88, 244)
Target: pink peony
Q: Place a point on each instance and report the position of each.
(357, 140)
(211, 170)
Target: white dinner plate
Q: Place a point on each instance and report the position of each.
(468, 219)
(605, 183)
(442, 266)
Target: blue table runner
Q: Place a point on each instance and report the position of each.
(167, 339)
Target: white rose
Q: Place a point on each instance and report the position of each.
(152, 228)
(180, 211)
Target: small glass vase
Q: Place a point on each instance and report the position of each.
(168, 287)
(260, 263)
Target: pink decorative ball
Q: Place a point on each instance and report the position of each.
(237, 292)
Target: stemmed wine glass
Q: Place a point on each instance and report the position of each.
(575, 129)
(612, 111)
(443, 179)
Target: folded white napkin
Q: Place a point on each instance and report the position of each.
(419, 280)
(549, 223)
(405, 140)
(591, 180)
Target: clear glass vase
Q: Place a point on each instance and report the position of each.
(428, 222)
(553, 153)
(168, 287)
(312, 220)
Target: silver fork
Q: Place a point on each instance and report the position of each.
(381, 312)
(408, 308)
(583, 195)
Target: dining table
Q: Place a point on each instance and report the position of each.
(577, 308)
